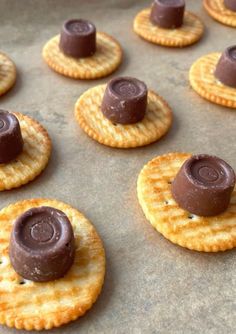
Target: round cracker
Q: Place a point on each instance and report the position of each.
(45, 305)
(34, 158)
(217, 10)
(204, 82)
(106, 59)
(155, 124)
(207, 234)
(190, 32)
(7, 73)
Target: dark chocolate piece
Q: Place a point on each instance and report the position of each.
(125, 100)
(42, 244)
(230, 4)
(78, 38)
(203, 185)
(226, 67)
(168, 14)
(11, 142)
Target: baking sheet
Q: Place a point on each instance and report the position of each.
(151, 285)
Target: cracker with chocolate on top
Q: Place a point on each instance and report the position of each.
(167, 23)
(123, 113)
(25, 148)
(157, 196)
(223, 11)
(37, 303)
(7, 73)
(213, 77)
(82, 53)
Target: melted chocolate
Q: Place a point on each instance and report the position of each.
(168, 14)
(226, 67)
(11, 142)
(230, 4)
(42, 244)
(125, 100)
(203, 185)
(78, 38)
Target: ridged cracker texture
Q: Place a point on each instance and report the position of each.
(34, 158)
(7, 73)
(37, 306)
(155, 124)
(219, 12)
(105, 61)
(190, 32)
(207, 234)
(204, 82)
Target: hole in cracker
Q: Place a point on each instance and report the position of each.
(22, 282)
(169, 182)
(114, 124)
(0, 261)
(190, 216)
(166, 202)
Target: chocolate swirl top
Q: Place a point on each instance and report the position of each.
(172, 3)
(79, 27)
(203, 185)
(42, 244)
(127, 88)
(78, 38)
(226, 67)
(41, 229)
(209, 172)
(5, 122)
(125, 100)
(168, 14)
(11, 142)
(230, 4)
(232, 52)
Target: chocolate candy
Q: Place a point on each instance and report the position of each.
(168, 14)
(230, 4)
(78, 38)
(226, 67)
(11, 142)
(42, 244)
(125, 100)
(203, 185)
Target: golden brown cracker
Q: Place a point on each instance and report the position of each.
(207, 234)
(190, 32)
(37, 306)
(34, 158)
(219, 12)
(106, 59)
(204, 82)
(156, 122)
(7, 73)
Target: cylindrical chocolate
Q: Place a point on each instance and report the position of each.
(78, 38)
(11, 142)
(230, 4)
(168, 14)
(42, 246)
(226, 67)
(203, 185)
(125, 100)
